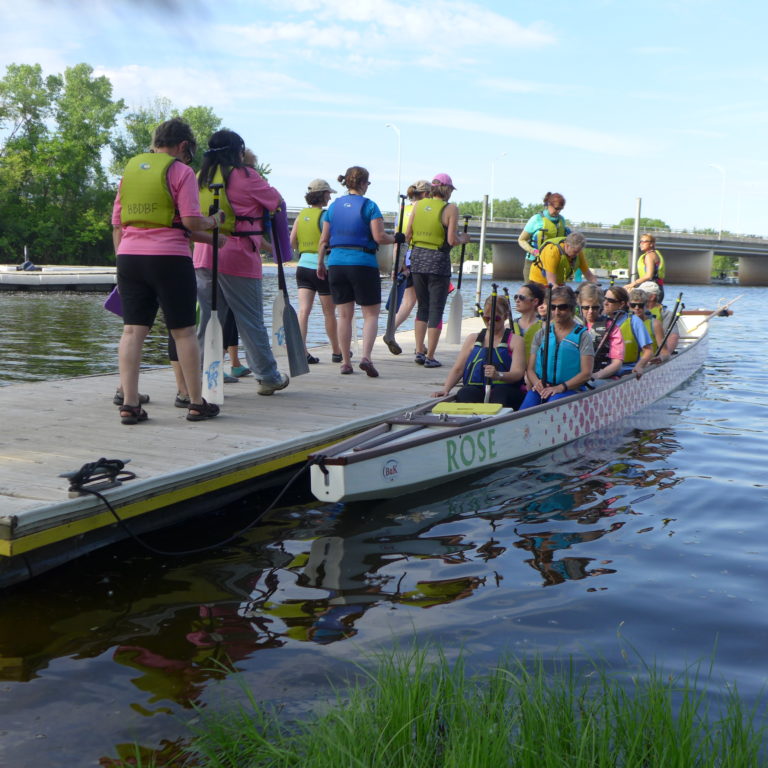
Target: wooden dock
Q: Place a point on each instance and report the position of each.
(181, 467)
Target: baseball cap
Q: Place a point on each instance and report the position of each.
(422, 185)
(444, 179)
(319, 185)
(649, 287)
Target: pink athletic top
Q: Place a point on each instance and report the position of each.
(163, 241)
(249, 194)
(615, 343)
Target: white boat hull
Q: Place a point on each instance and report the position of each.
(381, 464)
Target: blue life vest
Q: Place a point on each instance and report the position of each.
(502, 359)
(564, 360)
(349, 229)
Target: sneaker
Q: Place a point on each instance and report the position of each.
(419, 358)
(367, 366)
(346, 370)
(230, 379)
(270, 387)
(430, 363)
(182, 401)
(336, 357)
(392, 345)
(240, 370)
(312, 360)
(119, 400)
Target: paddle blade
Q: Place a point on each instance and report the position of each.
(297, 356)
(453, 332)
(468, 409)
(213, 361)
(278, 325)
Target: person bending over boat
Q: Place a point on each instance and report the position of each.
(527, 301)
(558, 258)
(353, 230)
(432, 232)
(506, 368)
(247, 198)
(156, 212)
(638, 346)
(542, 227)
(563, 366)
(650, 265)
(305, 240)
(654, 292)
(606, 336)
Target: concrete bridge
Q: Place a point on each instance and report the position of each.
(688, 257)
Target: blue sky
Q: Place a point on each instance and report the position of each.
(603, 101)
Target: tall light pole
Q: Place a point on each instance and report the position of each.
(493, 179)
(722, 197)
(397, 131)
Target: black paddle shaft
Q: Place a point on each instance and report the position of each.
(491, 331)
(391, 316)
(467, 217)
(546, 336)
(672, 321)
(215, 268)
(281, 284)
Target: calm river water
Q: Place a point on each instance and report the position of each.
(648, 539)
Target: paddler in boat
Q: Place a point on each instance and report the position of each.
(653, 293)
(650, 265)
(528, 299)
(609, 352)
(638, 346)
(542, 227)
(432, 232)
(638, 305)
(569, 354)
(559, 258)
(353, 230)
(305, 239)
(506, 368)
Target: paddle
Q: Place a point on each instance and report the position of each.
(389, 334)
(294, 343)
(213, 340)
(672, 321)
(509, 301)
(455, 316)
(718, 311)
(546, 336)
(491, 334)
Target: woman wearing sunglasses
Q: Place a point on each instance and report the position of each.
(527, 301)
(606, 335)
(542, 227)
(638, 304)
(505, 369)
(638, 347)
(569, 354)
(650, 265)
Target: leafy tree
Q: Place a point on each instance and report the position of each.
(644, 224)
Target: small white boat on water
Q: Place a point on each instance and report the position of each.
(425, 447)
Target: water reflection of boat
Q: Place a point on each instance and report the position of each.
(421, 448)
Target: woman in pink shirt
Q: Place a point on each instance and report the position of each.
(250, 198)
(609, 353)
(156, 212)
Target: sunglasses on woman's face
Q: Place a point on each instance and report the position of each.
(636, 304)
(612, 301)
(521, 297)
(487, 318)
(588, 307)
(562, 307)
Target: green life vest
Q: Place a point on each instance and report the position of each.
(660, 268)
(631, 347)
(406, 217)
(564, 271)
(428, 229)
(145, 198)
(528, 335)
(549, 230)
(230, 222)
(308, 229)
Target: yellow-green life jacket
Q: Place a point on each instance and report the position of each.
(631, 347)
(549, 230)
(308, 229)
(230, 222)
(428, 229)
(145, 198)
(660, 269)
(564, 271)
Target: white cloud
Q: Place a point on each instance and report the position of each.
(507, 85)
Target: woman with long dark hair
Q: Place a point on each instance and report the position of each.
(246, 199)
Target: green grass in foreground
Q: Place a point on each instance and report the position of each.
(412, 712)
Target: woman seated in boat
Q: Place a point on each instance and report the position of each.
(561, 359)
(505, 369)
(606, 336)
(638, 347)
(638, 304)
(653, 293)
(559, 258)
(527, 301)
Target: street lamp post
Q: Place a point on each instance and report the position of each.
(493, 180)
(397, 131)
(722, 197)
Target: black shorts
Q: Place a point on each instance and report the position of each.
(307, 278)
(355, 283)
(146, 282)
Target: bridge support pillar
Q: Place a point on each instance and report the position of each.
(508, 261)
(753, 271)
(691, 267)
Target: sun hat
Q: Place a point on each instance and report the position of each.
(319, 185)
(650, 287)
(422, 185)
(443, 179)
